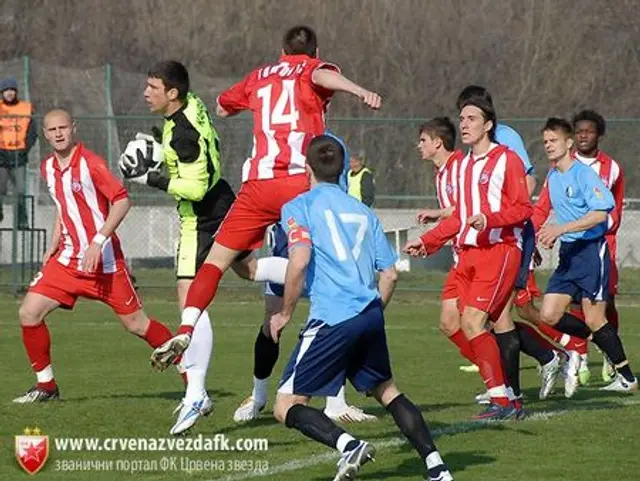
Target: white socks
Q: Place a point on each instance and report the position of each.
(197, 356)
(259, 393)
(338, 403)
(45, 375)
(271, 269)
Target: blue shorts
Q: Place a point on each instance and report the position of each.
(278, 247)
(326, 356)
(528, 248)
(583, 270)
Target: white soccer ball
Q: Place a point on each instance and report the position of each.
(144, 146)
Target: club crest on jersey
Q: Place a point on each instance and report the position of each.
(598, 193)
(32, 450)
(569, 191)
(484, 178)
(448, 189)
(76, 186)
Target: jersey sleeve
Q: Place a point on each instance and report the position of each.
(236, 98)
(106, 182)
(295, 223)
(518, 208)
(617, 190)
(434, 239)
(512, 139)
(596, 195)
(192, 181)
(385, 256)
(323, 93)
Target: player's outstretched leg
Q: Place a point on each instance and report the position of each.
(37, 343)
(196, 402)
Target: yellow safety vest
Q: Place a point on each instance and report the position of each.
(14, 122)
(355, 183)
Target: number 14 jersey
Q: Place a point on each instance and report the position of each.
(288, 111)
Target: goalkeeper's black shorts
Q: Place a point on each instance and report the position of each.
(199, 223)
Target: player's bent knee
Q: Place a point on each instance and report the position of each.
(29, 316)
(549, 315)
(283, 403)
(385, 392)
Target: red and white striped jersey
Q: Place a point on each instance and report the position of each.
(613, 178)
(446, 179)
(288, 111)
(492, 185)
(83, 193)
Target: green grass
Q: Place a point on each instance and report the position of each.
(109, 391)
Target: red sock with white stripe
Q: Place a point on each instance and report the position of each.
(157, 334)
(487, 355)
(552, 333)
(549, 333)
(37, 342)
(201, 292)
(460, 340)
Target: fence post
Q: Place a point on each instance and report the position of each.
(108, 109)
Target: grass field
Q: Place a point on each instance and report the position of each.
(109, 391)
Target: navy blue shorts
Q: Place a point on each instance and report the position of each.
(583, 270)
(528, 248)
(278, 247)
(326, 356)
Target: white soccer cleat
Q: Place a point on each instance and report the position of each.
(248, 410)
(571, 378)
(483, 398)
(549, 373)
(621, 385)
(163, 356)
(351, 461)
(190, 412)
(350, 414)
(608, 370)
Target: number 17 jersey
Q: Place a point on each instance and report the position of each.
(288, 111)
(348, 247)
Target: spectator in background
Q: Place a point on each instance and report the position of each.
(360, 180)
(17, 135)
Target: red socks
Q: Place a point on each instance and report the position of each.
(204, 287)
(157, 334)
(37, 343)
(460, 340)
(487, 355)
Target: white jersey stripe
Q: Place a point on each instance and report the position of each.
(496, 184)
(74, 214)
(298, 161)
(65, 255)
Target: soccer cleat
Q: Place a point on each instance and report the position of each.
(189, 413)
(584, 374)
(351, 461)
(495, 412)
(549, 373)
(350, 414)
(38, 395)
(248, 410)
(608, 370)
(439, 473)
(483, 398)
(167, 354)
(521, 414)
(469, 368)
(571, 380)
(621, 385)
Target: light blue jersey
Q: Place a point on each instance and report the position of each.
(505, 135)
(348, 248)
(575, 193)
(343, 182)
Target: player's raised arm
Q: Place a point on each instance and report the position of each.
(332, 80)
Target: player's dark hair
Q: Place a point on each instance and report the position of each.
(591, 116)
(488, 113)
(300, 40)
(441, 128)
(472, 91)
(326, 158)
(558, 124)
(173, 74)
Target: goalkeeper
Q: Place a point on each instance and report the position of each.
(190, 146)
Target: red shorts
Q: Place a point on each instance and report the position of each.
(486, 276)
(257, 206)
(450, 288)
(65, 285)
(529, 293)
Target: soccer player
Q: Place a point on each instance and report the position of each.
(266, 350)
(492, 207)
(288, 100)
(337, 245)
(582, 204)
(84, 258)
(515, 337)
